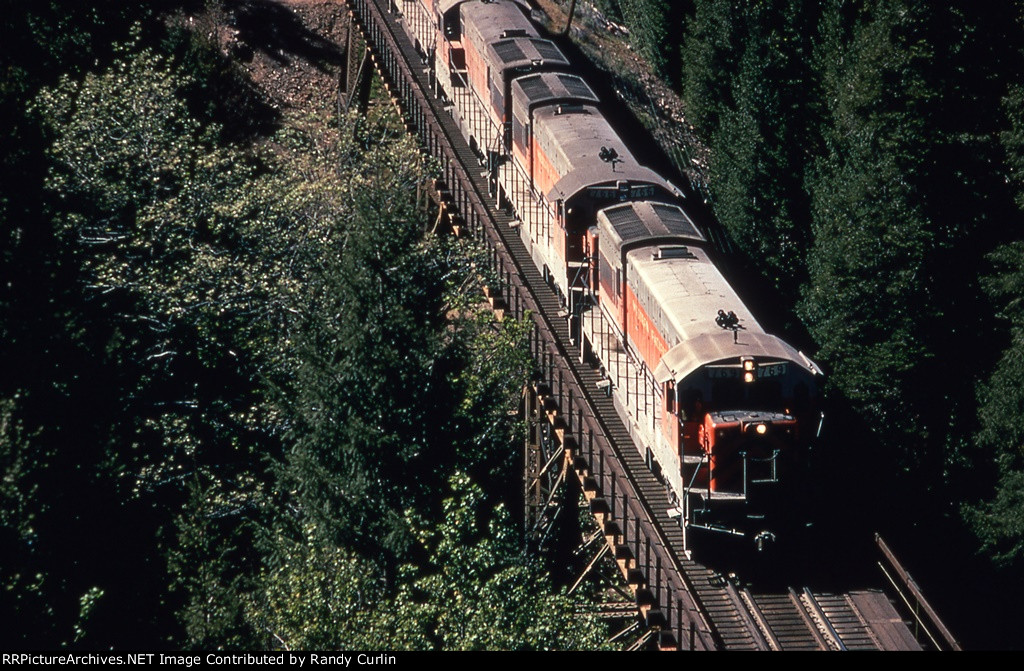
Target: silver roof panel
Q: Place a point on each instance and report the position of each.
(493, 20)
(523, 51)
(634, 222)
(572, 138)
(690, 290)
(549, 87)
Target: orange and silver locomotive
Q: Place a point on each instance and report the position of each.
(720, 408)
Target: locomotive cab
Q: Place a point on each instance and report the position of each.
(737, 427)
(582, 194)
(736, 423)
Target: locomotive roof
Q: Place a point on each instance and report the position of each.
(690, 291)
(633, 222)
(688, 288)
(577, 133)
(497, 20)
(572, 136)
(708, 348)
(444, 6)
(548, 87)
(523, 51)
(591, 171)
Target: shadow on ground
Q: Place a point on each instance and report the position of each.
(267, 26)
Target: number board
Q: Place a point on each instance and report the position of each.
(620, 194)
(728, 372)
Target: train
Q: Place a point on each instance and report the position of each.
(722, 411)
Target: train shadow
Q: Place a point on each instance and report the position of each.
(271, 28)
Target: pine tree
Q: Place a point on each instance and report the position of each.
(655, 27)
(998, 519)
(710, 60)
(764, 140)
(866, 296)
(903, 196)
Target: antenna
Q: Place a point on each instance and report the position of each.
(609, 156)
(729, 322)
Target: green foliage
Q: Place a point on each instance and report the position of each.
(207, 571)
(866, 298)
(357, 386)
(473, 590)
(147, 387)
(652, 24)
(1013, 140)
(496, 366)
(23, 578)
(51, 37)
(123, 140)
(999, 521)
(710, 61)
(17, 491)
(857, 154)
(1001, 410)
(318, 596)
(905, 193)
(87, 603)
(483, 593)
(762, 139)
(371, 391)
(162, 222)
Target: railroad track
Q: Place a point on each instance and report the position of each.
(690, 605)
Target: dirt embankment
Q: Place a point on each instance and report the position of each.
(292, 50)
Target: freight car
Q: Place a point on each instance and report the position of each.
(720, 408)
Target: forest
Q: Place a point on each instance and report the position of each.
(224, 424)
